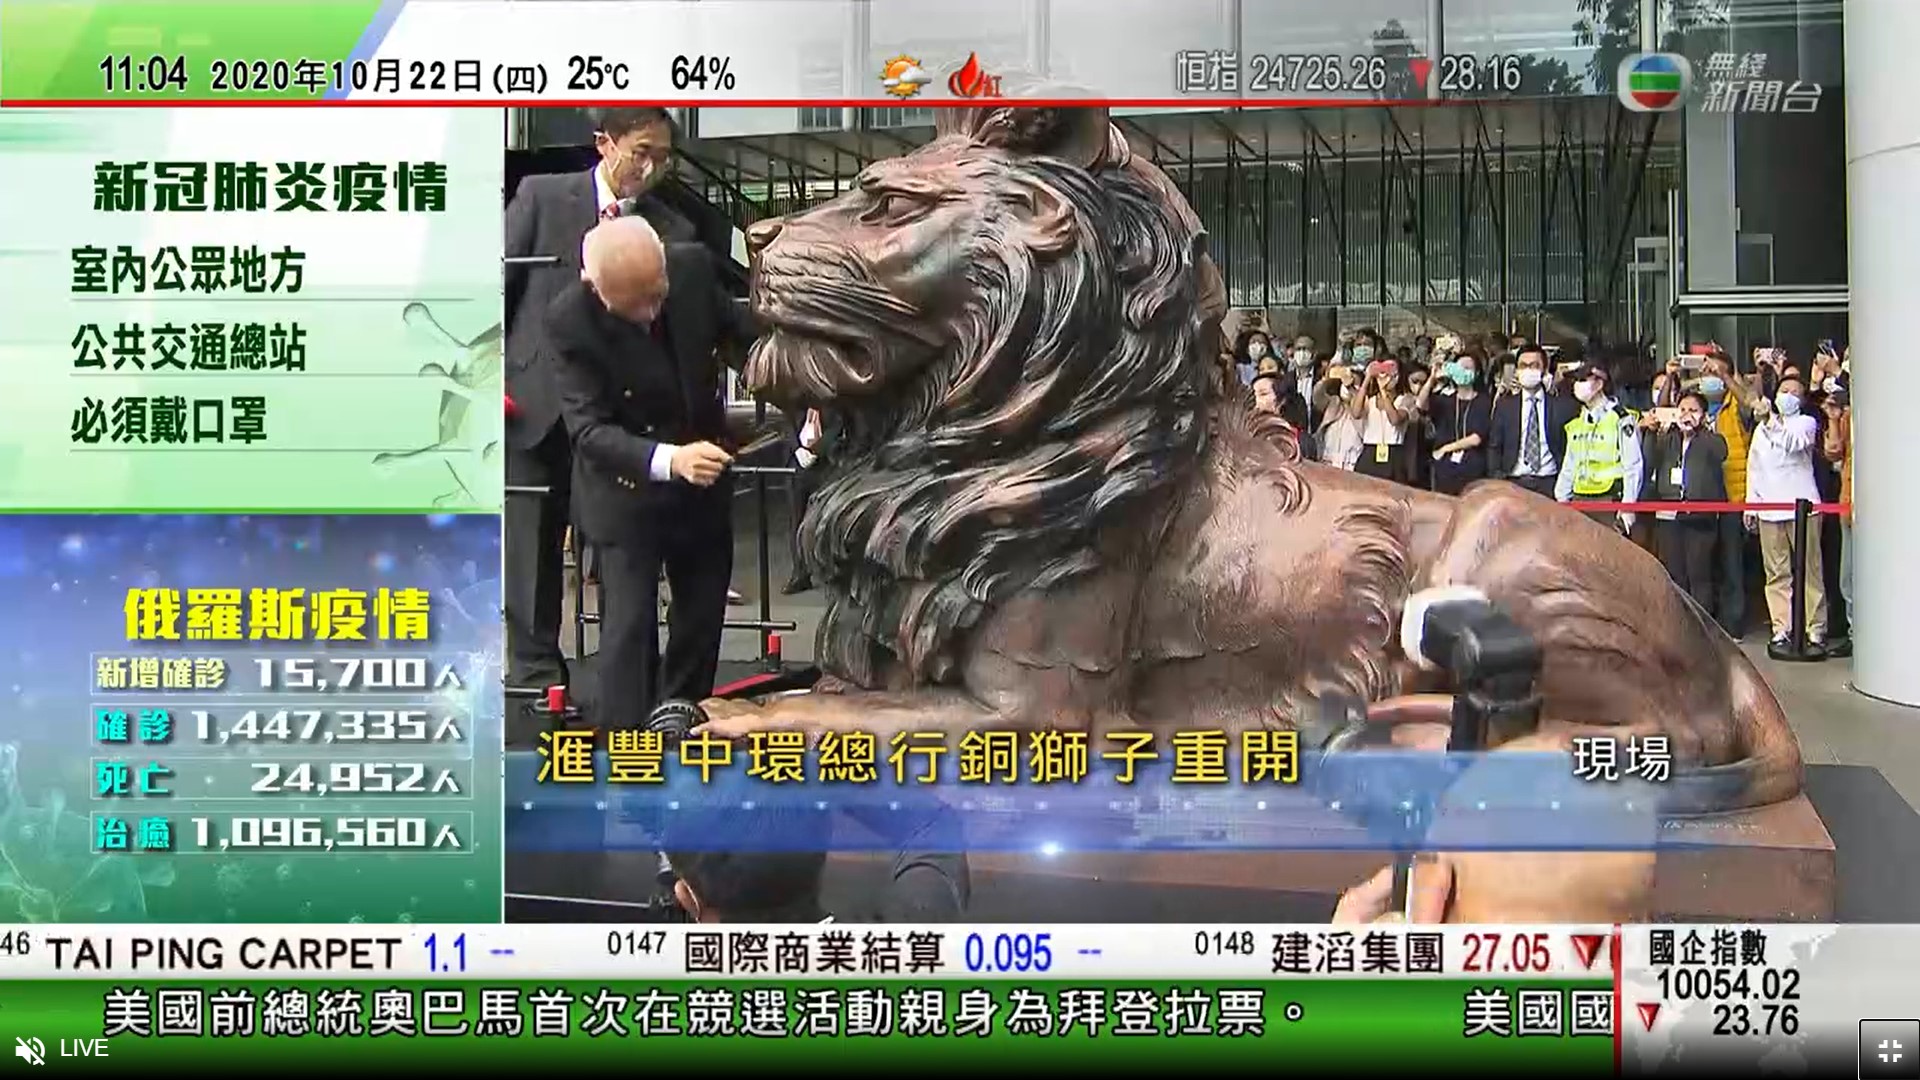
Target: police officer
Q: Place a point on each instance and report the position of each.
(1604, 462)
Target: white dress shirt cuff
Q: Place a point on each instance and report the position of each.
(660, 469)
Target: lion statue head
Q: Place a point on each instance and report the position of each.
(1006, 330)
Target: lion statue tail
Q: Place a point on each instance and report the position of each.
(1769, 768)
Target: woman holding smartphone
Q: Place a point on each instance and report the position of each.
(1384, 409)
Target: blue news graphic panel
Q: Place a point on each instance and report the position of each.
(1363, 801)
(67, 580)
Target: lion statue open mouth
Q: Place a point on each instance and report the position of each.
(1040, 511)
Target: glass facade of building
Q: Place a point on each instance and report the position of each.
(1556, 211)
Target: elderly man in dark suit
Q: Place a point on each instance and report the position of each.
(634, 347)
(548, 217)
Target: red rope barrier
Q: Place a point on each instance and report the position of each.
(1703, 507)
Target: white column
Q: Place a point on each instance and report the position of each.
(1883, 243)
(1436, 45)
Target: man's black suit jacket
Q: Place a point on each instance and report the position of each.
(1505, 440)
(549, 215)
(624, 389)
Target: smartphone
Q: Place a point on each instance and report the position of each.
(1666, 417)
(1693, 361)
(1565, 366)
(1827, 346)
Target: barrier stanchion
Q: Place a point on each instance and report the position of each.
(510, 691)
(577, 554)
(1797, 604)
(764, 549)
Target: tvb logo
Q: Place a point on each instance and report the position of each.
(30, 1050)
(1653, 82)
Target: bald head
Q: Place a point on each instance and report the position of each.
(625, 262)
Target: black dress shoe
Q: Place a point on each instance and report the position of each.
(1840, 647)
(1781, 648)
(796, 586)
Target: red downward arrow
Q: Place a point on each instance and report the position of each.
(1648, 1011)
(1420, 66)
(1587, 947)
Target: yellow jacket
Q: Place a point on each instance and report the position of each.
(1735, 433)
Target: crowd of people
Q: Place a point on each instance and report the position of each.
(1608, 428)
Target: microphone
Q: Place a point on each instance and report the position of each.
(1458, 630)
(1494, 662)
(673, 720)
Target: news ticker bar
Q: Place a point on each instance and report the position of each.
(1327, 1026)
(1665, 996)
(824, 951)
(561, 51)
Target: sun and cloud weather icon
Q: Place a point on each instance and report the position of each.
(903, 76)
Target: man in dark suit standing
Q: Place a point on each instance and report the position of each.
(1528, 440)
(634, 345)
(1686, 461)
(548, 217)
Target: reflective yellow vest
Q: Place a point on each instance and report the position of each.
(1593, 447)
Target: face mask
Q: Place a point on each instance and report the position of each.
(1832, 386)
(1788, 404)
(633, 174)
(1688, 421)
(1362, 353)
(1303, 358)
(1585, 390)
(1713, 387)
(1461, 374)
(1257, 350)
(1531, 378)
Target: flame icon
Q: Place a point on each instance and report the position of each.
(972, 80)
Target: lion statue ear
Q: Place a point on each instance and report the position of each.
(1081, 134)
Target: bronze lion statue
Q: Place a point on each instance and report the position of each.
(1041, 511)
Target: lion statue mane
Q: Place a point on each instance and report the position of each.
(1066, 396)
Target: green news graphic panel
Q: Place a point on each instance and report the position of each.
(250, 422)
